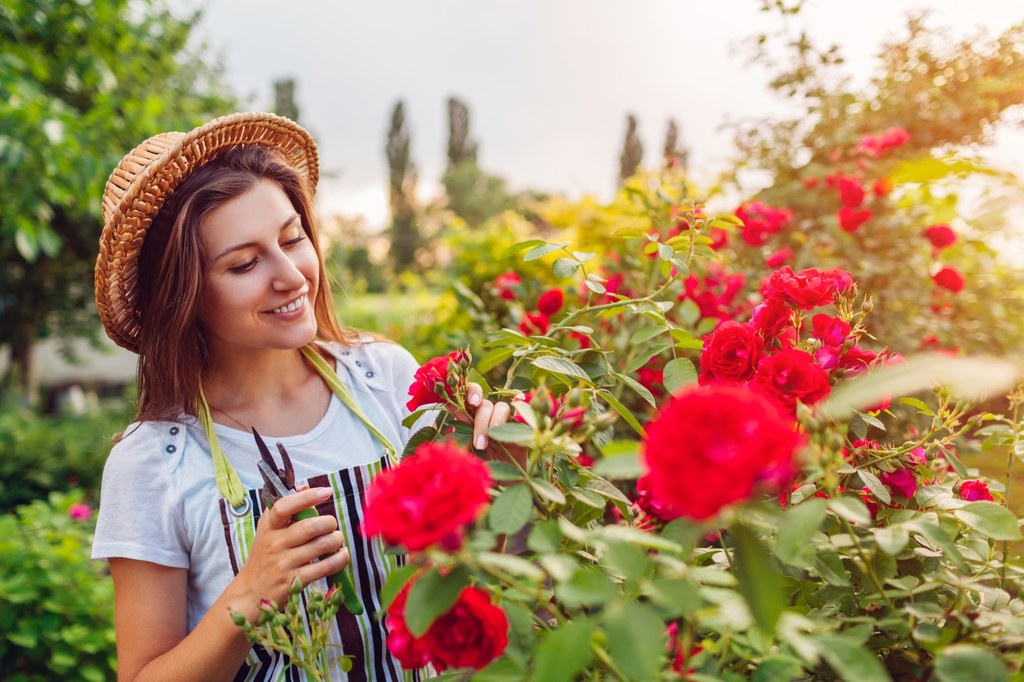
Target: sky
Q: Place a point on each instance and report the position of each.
(549, 83)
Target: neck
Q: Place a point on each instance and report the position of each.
(255, 378)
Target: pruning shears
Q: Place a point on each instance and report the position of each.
(278, 482)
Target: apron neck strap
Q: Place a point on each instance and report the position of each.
(228, 482)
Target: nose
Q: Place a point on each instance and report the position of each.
(287, 274)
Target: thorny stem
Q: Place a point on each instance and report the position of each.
(603, 656)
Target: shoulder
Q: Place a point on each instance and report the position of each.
(148, 445)
(379, 363)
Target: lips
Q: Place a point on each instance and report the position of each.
(292, 306)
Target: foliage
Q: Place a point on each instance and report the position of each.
(58, 614)
(632, 151)
(405, 237)
(80, 83)
(40, 454)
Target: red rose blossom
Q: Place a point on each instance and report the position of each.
(430, 383)
(505, 283)
(713, 446)
(761, 221)
(902, 482)
(534, 324)
(410, 651)
(940, 236)
(731, 354)
(949, 278)
(779, 258)
(771, 317)
(850, 192)
(427, 499)
(875, 145)
(792, 375)
(471, 634)
(882, 187)
(806, 289)
(831, 331)
(550, 302)
(850, 219)
(974, 491)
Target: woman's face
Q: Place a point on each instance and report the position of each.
(262, 274)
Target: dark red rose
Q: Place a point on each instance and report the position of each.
(850, 192)
(850, 219)
(427, 499)
(712, 446)
(792, 375)
(974, 491)
(731, 354)
(940, 236)
(471, 634)
(534, 324)
(430, 383)
(806, 289)
(411, 652)
(550, 302)
(949, 278)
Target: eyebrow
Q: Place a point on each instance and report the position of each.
(246, 245)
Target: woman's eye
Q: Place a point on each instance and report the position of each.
(294, 242)
(244, 267)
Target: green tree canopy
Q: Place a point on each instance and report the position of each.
(80, 85)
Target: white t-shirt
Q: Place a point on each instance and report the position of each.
(159, 502)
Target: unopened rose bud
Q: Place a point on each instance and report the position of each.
(296, 586)
(573, 418)
(604, 421)
(867, 306)
(576, 398)
(453, 380)
(439, 388)
(238, 619)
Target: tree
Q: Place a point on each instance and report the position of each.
(81, 84)
(284, 99)
(632, 151)
(473, 194)
(402, 191)
(672, 152)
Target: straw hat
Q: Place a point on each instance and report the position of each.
(149, 174)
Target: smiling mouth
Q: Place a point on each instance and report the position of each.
(293, 306)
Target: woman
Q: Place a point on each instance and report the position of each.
(210, 270)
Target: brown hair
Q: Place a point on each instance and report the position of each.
(172, 270)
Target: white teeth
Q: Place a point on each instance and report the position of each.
(291, 307)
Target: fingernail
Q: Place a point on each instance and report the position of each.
(481, 442)
(474, 399)
(324, 493)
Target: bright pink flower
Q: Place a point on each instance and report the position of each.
(941, 236)
(850, 192)
(975, 491)
(875, 145)
(918, 456)
(79, 511)
(901, 482)
(949, 278)
(850, 219)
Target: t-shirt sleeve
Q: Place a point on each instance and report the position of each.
(401, 371)
(140, 515)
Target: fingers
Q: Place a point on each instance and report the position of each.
(487, 415)
(280, 515)
(474, 394)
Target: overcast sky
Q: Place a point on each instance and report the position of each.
(548, 82)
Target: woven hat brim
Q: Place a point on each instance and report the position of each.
(146, 178)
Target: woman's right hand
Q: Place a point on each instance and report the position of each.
(283, 550)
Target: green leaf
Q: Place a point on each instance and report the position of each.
(623, 411)
(520, 246)
(636, 639)
(596, 287)
(637, 387)
(850, 508)
(559, 365)
(778, 668)
(414, 417)
(547, 490)
(760, 582)
(622, 467)
(645, 357)
(27, 245)
(990, 519)
(678, 373)
(511, 510)
(678, 597)
(565, 267)
(394, 584)
(424, 435)
(851, 661)
(891, 539)
(800, 524)
(511, 564)
(544, 537)
(919, 404)
(586, 586)
(875, 486)
(431, 596)
(504, 471)
(690, 312)
(564, 652)
(626, 560)
(512, 432)
(543, 250)
(969, 663)
(647, 333)
(493, 358)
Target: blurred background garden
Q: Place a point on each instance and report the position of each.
(880, 138)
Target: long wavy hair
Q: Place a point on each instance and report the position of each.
(173, 353)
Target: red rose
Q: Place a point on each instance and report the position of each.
(534, 324)
(719, 238)
(850, 218)
(940, 236)
(471, 634)
(712, 446)
(550, 302)
(974, 491)
(806, 289)
(410, 651)
(874, 145)
(850, 192)
(830, 331)
(771, 317)
(761, 221)
(792, 375)
(428, 498)
(506, 283)
(949, 278)
(780, 257)
(902, 482)
(731, 354)
(430, 384)
(882, 187)
(856, 360)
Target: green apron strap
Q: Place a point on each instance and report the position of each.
(331, 377)
(228, 483)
